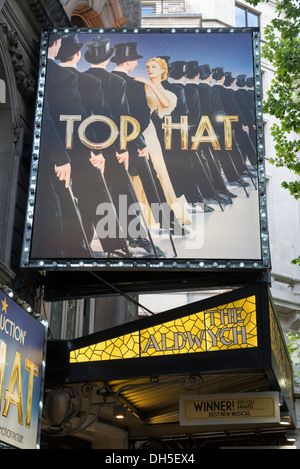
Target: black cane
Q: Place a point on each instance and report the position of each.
(115, 213)
(141, 213)
(243, 159)
(78, 215)
(209, 180)
(160, 203)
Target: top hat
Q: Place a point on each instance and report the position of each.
(53, 40)
(250, 82)
(70, 45)
(125, 51)
(241, 80)
(205, 71)
(98, 50)
(218, 73)
(228, 79)
(192, 69)
(178, 69)
(166, 58)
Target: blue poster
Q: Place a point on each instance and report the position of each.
(147, 148)
(22, 340)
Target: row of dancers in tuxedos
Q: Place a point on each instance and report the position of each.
(79, 182)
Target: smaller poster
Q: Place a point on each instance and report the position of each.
(22, 354)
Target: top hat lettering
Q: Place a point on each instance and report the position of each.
(70, 45)
(125, 51)
(98, 50)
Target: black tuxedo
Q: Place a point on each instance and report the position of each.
(90, 187)
(62, 97)
(231, 163)
(248, 112)
(211, 106)
(136, 98)
(202, 173)
(179, 162)
(249, 95)
(139, 109)
(114, 90)
(232, 108)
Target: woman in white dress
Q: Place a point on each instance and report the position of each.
(162, 102)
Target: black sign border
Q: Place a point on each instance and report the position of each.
(262, 264)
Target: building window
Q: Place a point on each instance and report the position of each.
(165, 7)
(70, 319)
(148, 9)
(245, 18)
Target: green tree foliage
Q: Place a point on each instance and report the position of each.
(282, 50)
(294, 348)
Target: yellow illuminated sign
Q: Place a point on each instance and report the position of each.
(227, 327)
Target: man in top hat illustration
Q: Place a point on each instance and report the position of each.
(211, 107)
(231, 163)
(231, 107)
(249, 114)
(186, 171)
(98, 55)
(250, 99)
(85, 164)
(174, 159)
(58, 229)
(126, 60)
(194, 108)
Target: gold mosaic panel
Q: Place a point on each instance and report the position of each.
(230, 326)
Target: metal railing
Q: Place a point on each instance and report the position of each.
(158, 7)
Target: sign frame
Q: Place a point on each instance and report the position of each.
(228, 405)
(262, 263)
(23, 372)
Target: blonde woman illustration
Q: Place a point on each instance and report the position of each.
(161, 102)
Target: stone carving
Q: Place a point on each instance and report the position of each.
(25, 79)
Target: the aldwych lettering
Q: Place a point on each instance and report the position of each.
(228, 336)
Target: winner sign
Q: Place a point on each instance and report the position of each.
(148, 149)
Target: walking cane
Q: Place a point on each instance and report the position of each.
(78, 215)
(242, 156)
(161, 205)
(209, 180)
(115, 213)
(141, 214)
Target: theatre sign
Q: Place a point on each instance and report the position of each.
(235, 334)
(220, 409)
(22, 369)
(148, 152)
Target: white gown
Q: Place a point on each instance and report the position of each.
(178, 204)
